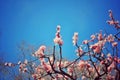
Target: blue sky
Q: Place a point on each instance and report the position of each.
(35, 21)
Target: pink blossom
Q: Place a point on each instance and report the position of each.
(84, 78)
(60, 65)
(93, 37)
(42, 48)
(10, 64)
(75, 38)
(19, 62)
(66, 63)
(83, 64)
(102, 62)
(91, 70)
(79, 51)
(70, 70)
(100, 36)
(96, 48)
(111, 22)
(47, 67)
(109, 57)
(6, 64)
(59, 76)
(110, 38)
(115, 59)
(112, 66)
(25, 70)
(110, 77)
(85, 41)
(40, 51)
(26, 62)
(58, 39)
(118, 60)
(114, 44)
(58, 28)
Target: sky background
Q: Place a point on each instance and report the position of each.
(35, 21)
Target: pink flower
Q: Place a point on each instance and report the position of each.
(42, 48)
(115, 59)
(26, 62)
(83, 64)
(110, 22)
(59, 76)
(58, 39)
(25, 70)
(79, 51)
(75, 38)
(114, 44)
(100, 36)
(93, 37)
(102, 62)
(70, 70)
(85, 41)
(109, 57)
(6, 64)
(112, 66)
(96, 48)
(110, 77)
(58, 28)
(40, 51)
(47, 67)
(84, 78)
(10, 64)
(110, 38)
(113, 22)
(118, 60)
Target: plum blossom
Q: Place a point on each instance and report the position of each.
(93, 37)
(83, 64)
(84, 78)
(58, 39)
(42, 48)
(100, 37)
(85, 41)
(79, 51)
(66, 63)
(112, 66)
(26, 62)
(75, 38)
(109, 55)
(19, 62)
(22, 67)
(60, 65)
(70, 70)
(114, 44)
(96, 48)
(118, 61)
(47, 67)
(110, 38)
(9, 64)
(110, 77)
(40, 51)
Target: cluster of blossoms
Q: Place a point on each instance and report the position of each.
(112, 21)
(58, 39)
(97, 59)
(75, 38)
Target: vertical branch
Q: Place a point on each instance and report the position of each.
(53, 55)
